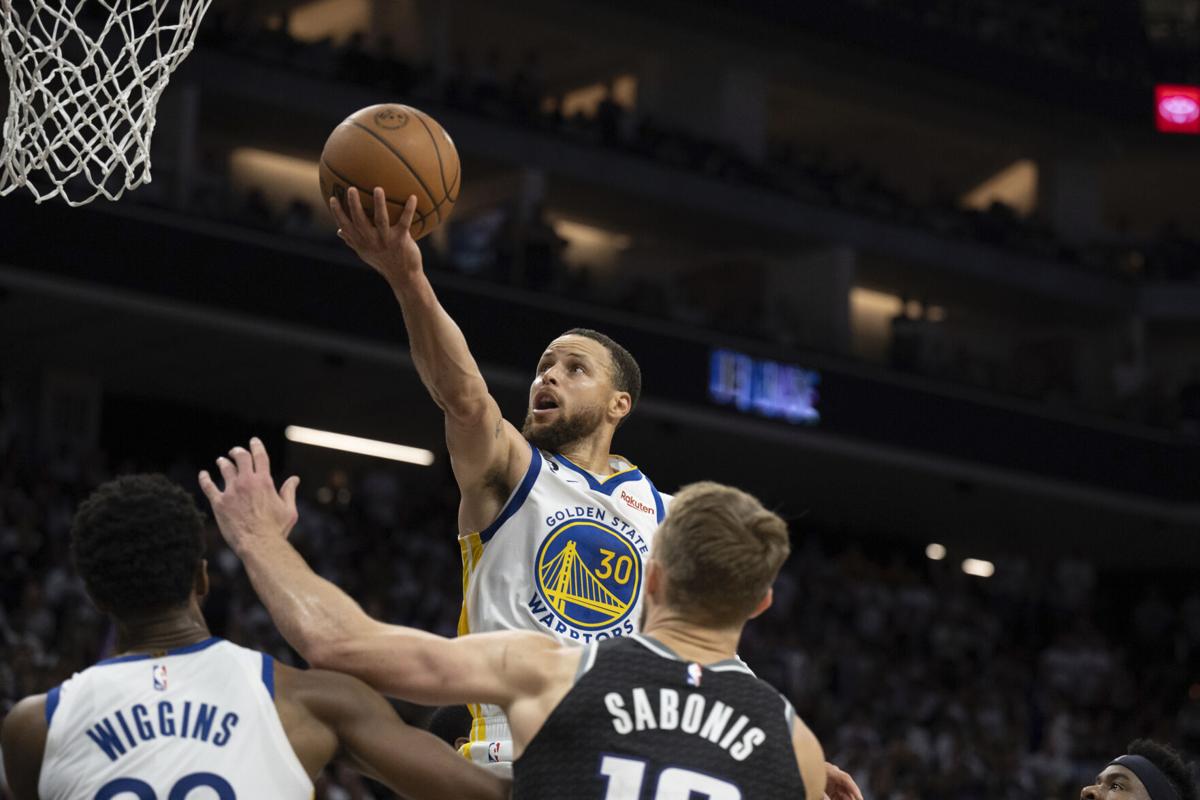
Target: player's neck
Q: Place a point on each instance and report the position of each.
(164, 631)
(693, 642)
(592, 453)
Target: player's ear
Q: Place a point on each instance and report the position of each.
(654, 576)
(763, 604)
(200, 582)
(619, 406)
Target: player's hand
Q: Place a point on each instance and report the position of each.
(249, 509)
(389, 249)
(839, 785)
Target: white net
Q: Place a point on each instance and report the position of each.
(84, 79)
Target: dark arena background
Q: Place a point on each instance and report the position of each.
(923, 276)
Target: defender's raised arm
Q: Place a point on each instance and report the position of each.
(329, 629)
(488, 454)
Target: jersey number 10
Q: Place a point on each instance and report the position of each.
(626, 775)
(117, 789)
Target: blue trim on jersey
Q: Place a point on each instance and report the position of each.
(177, 651)
(268, 674)
(52, 703)
(659, 507)
(518, 499)
(604, 486)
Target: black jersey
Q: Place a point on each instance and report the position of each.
(640, 723)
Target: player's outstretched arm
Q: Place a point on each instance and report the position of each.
(362, 726)
(23, 740)
(484, 448)
(332, 631)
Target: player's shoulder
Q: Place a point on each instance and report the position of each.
(27, 716)
(306, 685)
(307, 696)
(23, 742)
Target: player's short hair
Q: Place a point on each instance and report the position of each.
(721, 551)
(1169, 762)
(626, 374)
(137, 542)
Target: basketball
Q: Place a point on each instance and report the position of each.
(401, 149)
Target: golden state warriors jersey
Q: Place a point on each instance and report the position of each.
(195, 721)
(566, 556)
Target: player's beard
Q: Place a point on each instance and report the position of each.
(565, 430)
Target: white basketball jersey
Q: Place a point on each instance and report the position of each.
(194, 722)
(566, 557)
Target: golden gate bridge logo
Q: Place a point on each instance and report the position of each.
(589, 574)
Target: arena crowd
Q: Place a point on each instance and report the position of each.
(921, 681)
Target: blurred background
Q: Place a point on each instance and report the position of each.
(923, 275)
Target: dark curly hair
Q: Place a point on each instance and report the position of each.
(137, 541)
(626, 374)
(1171, 763)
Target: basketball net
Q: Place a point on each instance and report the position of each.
(84, 79)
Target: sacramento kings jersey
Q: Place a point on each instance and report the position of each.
(565, 556)
(157, 727)
(642, 724)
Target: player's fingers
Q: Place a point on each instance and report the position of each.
(288, 491)
(262, 462)
(339, 213)
(241, 457)
(849, 788)
(410, 210)
(228, 471)
(381, 211)
(208, 487)
(357, 214)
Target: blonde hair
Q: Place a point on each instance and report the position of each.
(721, 551)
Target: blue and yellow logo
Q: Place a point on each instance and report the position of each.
(589, 574)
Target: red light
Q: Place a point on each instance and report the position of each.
(1177, 109)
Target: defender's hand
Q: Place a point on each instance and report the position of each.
(249, 508)
(389, 249)
(839, 785)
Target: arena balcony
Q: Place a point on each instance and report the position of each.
(228, 292)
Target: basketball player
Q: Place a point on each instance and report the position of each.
(179, 709)
(1147, 771)
(670, 708)
(553, 528)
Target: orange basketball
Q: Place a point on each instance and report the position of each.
(401, 149)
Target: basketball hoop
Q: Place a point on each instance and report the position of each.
(84, 79)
